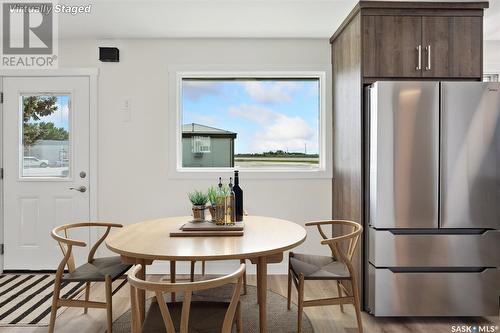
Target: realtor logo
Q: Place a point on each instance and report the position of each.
(28, 35)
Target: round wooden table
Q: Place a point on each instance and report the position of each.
(264, 241)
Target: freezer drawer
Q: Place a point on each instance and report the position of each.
(470, 155)
(404, 146)
(433, 294)
(387, 249)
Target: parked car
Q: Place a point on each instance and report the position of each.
(62, 163)
(33, 162)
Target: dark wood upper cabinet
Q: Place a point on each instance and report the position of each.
(420, 39)
(452, 46)
(392, 46)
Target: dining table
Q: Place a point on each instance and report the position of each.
(264, 241)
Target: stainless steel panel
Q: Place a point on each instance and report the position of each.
(434, 250)
(434, 294)
(404, 125)
(470, 155)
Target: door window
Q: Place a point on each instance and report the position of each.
(45, 150)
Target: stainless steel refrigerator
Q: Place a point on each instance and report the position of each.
(433, 205)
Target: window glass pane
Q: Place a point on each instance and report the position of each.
(251, 123)
(45, 136)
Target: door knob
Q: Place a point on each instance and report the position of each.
(79, 189)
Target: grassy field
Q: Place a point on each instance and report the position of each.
(278, 162)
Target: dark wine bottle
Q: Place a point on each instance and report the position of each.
(238, 197)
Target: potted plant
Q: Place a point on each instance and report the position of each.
(199, 200)
(212, 194)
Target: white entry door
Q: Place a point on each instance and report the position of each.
(46, 167)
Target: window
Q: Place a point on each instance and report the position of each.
(200, 144)
(256, 123)
(45, 132)
(490, 78)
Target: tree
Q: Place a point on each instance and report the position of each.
(34, 109)
(50, 132)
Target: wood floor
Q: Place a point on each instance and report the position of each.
(324, 319)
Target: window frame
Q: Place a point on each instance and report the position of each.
(201, 138)
(486, 74)
(176, 170)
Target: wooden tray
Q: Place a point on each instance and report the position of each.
(219, 233)
(203, 229)
(209, 226)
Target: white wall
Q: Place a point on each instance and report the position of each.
(133, 156)
(491, 56)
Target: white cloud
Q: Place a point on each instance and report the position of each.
(60, 117)
(254, 113)
(194, 90)
(285, 133)
(205, 119)
(278, 131)
(270, 92)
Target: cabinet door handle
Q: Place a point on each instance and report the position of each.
(428, 49)
(419, 53)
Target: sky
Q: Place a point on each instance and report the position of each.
(60, 117)
(267, 115)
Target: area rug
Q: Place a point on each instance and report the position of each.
(279, 319)
(25, 299)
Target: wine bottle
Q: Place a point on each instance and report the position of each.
(231, 212)
(238, 197)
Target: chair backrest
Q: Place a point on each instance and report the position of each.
(187, 288)
(353, 232)
(66, 244)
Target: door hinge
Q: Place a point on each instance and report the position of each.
(1, 173)
(1, 97)
(1, 249)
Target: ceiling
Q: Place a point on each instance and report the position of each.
(220, 19)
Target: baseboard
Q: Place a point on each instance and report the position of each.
(214, 267)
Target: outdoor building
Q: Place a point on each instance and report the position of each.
(205, 146)
(55, 152)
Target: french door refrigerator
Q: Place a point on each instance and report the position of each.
(433, 206)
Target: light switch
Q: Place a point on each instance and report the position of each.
(126, 110)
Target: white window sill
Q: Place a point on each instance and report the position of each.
(212, 173)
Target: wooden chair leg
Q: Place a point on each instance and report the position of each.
(357, 307)
(300, 303)
(339, 289)
(239, 320)
(193, 263)
(53, 309)
(109, 303)
(172, 278)
(289, 293)
(242, 261)
(258, 294)
(87, 295)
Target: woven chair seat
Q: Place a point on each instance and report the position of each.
(97, 270)
(204, 317)
(315, 267)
